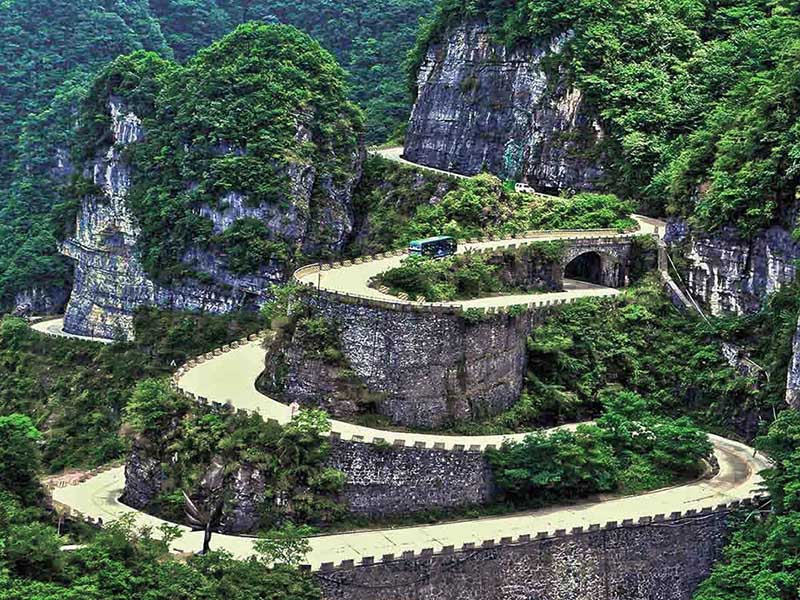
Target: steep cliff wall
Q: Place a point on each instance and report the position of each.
(793, 376)
(731, 274)
(110, 280)
(511, 112)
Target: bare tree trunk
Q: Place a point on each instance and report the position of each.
(207, 539)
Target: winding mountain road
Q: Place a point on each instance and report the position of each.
(55, 327)
(229, 377)
(737, 479)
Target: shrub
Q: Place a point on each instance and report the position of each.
(631, 450)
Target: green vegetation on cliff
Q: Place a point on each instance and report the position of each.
(482, 206)
(699, 99)
(74, 392)
(121, 563)
(288, 458)
(396, 204)
(50, 53)
(238, 117)
(454, 278)
(641, 343)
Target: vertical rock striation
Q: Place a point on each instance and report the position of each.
(110, 280)
(482, 106)
(731, 274)
(793, 378)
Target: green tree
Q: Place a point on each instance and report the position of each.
(19, 458)
(153, 407)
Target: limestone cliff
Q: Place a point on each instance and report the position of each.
(793, 377)
(731, 274)
(110, 281)
(512, 112)
(38, 300)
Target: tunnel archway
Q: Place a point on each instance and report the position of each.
(586, 267)
(598, 268)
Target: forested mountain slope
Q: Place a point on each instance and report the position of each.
(50, 54)
(688, 108)
(696, 102)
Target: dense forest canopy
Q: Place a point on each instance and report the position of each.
(50, 54)
(700, 97)
(236, 117)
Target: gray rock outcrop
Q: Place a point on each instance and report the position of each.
(144, 475)
(793, 378)
(110, 280)
(40, 301)
(482, 106)
(731, 274)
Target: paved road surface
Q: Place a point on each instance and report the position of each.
(231, 377)
(55, 327)
(396, 154)
(737, 480)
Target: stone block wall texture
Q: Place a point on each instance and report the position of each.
(660, 561)
(385, 480)
(381, 480)
(428, 369)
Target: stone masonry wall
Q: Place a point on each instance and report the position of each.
(653, 560)
(384, 480)
(432, 369)
(431, 366)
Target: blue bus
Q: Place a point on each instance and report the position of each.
(435, 247)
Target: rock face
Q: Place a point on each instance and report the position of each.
(40, 301)
(110, 281)
(144, 476)
(426, 369)
(511, 112)
(728, 273)
(793, 379)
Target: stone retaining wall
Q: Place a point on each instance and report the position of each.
(384, 480)
(384, 476)
(658, 558)
(607, 242)
(432, 369)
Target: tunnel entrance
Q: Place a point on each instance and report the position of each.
(586, 267)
